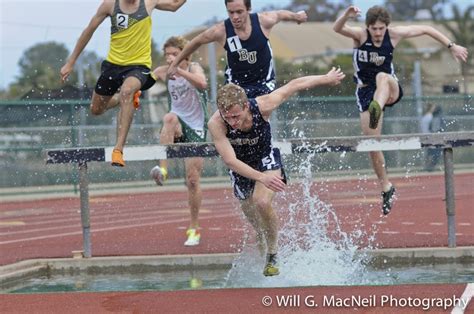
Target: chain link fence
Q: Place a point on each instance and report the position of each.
(28, 128)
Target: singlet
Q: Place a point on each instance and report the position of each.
(130, 42)
(369, 60)
(250, 147)
(187, 102)
(249, 62)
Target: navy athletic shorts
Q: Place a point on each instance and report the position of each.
(365, 95)
(243, 187)
(253, 91)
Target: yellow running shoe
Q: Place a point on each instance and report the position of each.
(193, 237)
(270, 268)
(117, 158)
(159, 174)
(136, 99)
(375, 112)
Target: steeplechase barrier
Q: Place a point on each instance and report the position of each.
(445, 141)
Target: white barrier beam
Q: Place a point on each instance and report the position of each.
(290, 146)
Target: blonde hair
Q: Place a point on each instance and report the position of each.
(230, 95)
(177, 42)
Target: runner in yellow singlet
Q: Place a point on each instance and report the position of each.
(127, 66)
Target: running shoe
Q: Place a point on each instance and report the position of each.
(117, 158)
(195, 283)
(159, 174)
(388, 198)
(136, 99)
(270, 268)
(375, 112)
(193, 237)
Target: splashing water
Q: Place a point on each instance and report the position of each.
(313, 249)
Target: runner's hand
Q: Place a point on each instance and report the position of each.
(65, 71)
(171, 73)
(301, 17)
(335, 76)
(273, 182)
(459, 53)
(353, 12)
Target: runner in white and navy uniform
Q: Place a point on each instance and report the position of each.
(244, 36)
(249, 62)
(255, 149)
(377, 85)
(368, 61)
(242, 137)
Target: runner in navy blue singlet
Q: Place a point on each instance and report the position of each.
(245, 38)
(377, 85)
(249, 62)
(242, 135)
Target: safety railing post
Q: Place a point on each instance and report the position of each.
(449, 189)
(85, 217)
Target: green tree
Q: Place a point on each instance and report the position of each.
(320, 10)
(40, 65)
(461, 27)
(407, 10)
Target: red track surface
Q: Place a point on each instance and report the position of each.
(154, 223)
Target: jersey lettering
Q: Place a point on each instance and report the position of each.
(376, 59)
(250, 57)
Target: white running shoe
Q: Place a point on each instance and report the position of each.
(159, 175)
(193, 237)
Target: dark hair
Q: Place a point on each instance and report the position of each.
(248, 3)
(377, 13)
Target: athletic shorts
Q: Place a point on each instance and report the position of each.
(365, 95)
(253, 91)
(112, 77)
(190, 135)
(243, 187)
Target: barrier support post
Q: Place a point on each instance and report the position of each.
(449, 189)
(85, 217)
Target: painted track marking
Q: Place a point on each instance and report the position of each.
(466, 296)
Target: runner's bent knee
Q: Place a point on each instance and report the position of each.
(99, 103)
(170, 119)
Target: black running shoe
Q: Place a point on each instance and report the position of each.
(388, 198)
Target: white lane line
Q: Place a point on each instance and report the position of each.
(464, 300)
(408, 223)
(12, 223)
(74, 222)
(390, 232)
(464, 224)
(436, 223)
(423, 233)
(214, 228)
(112, 228)
(459, 234)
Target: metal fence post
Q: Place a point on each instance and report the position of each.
(85, 217)
(449, 188)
